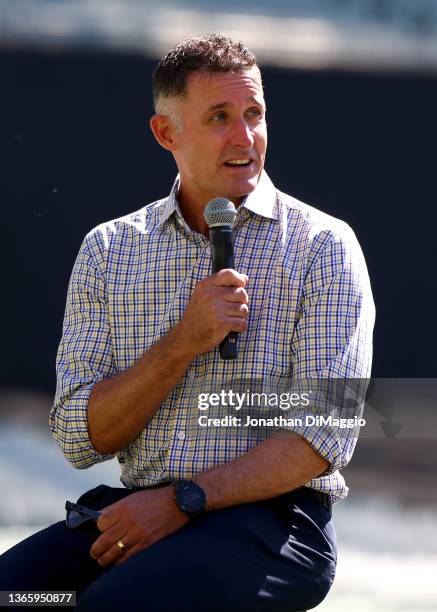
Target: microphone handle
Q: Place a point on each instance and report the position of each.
(222, 256)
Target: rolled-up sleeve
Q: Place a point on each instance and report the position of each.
(84, 356)
(332, 342)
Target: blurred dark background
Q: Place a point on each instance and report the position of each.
(76, 150)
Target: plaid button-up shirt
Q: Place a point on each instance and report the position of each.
(311, 315)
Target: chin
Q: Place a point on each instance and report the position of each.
(244, 188)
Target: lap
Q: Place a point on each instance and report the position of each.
(275, 555)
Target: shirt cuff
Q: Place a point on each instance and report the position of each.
(69, 424)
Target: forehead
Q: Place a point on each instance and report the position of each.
(206, 89)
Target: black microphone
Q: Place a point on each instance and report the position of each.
(220, 216)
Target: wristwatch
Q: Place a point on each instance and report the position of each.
(189, 497)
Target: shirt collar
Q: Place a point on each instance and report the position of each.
(261, 201)
(171, 205)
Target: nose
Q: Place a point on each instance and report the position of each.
(242, 135)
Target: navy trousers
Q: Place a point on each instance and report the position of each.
(274, 555)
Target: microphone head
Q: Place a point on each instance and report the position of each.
(219, 212)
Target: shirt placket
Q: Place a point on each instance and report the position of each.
(180, 442)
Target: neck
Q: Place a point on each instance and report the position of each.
(192, 211)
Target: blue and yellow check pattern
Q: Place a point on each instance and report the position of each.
(311, 315)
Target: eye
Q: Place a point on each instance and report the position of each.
(255, 112)
(219, 116)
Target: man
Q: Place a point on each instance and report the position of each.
(239, 521)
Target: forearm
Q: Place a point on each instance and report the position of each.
(281, 463)
(120, 407)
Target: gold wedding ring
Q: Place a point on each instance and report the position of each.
(120, 545)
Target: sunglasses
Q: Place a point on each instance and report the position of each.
(81, 519)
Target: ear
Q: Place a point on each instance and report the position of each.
(164, 131)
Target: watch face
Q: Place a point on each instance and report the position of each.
(191, 498)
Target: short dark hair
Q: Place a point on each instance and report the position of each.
(210, 53)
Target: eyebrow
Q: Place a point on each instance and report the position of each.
(224, 104)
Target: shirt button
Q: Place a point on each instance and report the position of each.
(191, 375)
(181, 435)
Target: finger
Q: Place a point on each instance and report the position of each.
(237, 324)
(114, 552)
(107, 521)
(235, 294)
(229, 278)
(237, 310)
(229, 294)
(109, 517)
(106, 540)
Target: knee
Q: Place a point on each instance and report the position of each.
(317, 587)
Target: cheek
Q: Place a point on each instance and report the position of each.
(194, 159)
(205, 154)
(261, 137)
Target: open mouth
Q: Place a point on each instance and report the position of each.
(239, 163)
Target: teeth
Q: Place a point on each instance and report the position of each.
(238, 162)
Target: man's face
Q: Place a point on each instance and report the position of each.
(223, 122)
